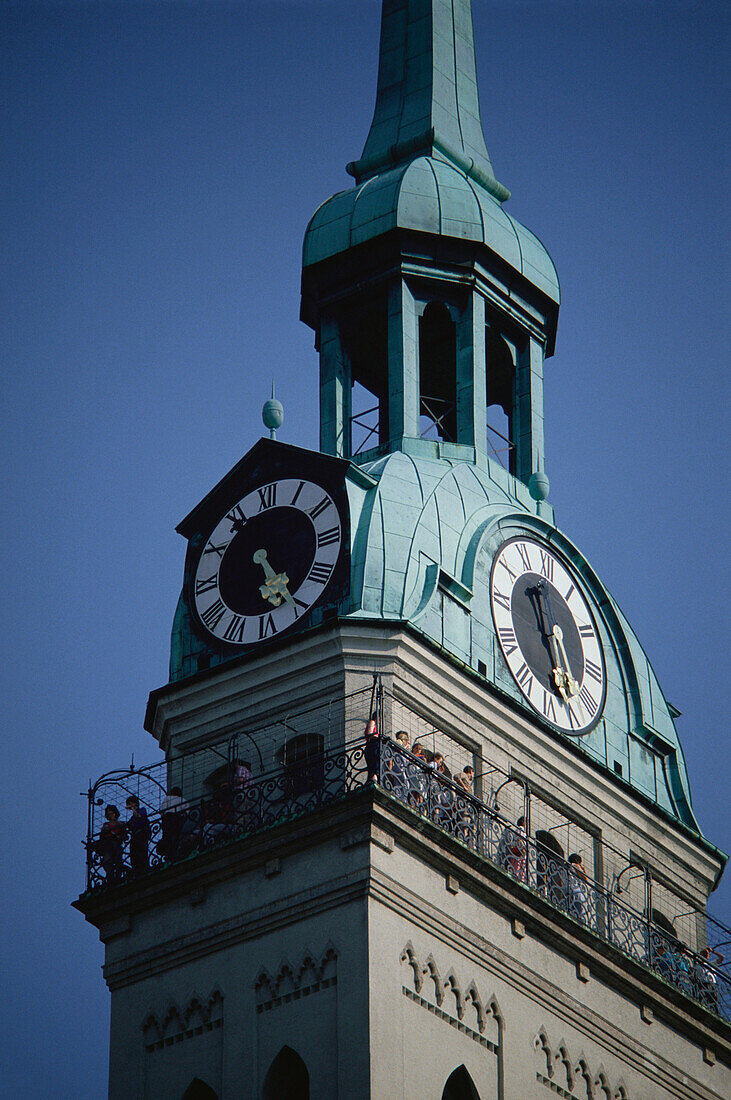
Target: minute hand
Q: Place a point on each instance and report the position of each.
(572, 686)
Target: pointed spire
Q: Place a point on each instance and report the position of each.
(427, 97)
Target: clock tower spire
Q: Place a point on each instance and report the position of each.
(427, 97)
(433, 308)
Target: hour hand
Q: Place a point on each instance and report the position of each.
(570, 685)
(274, 588)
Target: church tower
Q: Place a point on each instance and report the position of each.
(422, 826)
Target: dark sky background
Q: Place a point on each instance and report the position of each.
(160, 162)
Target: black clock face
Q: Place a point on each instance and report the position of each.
(547, 635)
(267, 561)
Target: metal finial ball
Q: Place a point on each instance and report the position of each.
(272, 414)
(539, 485)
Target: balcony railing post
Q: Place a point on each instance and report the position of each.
(648, 917)
(526, 825)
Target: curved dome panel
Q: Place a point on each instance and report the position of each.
(428, 195)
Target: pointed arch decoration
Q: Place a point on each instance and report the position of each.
(582, 1083)
(290, 983)
(447, 1000)
(408, 955)
(585, 1074)
(451, 982)
(460, 1086)
(195, 1017)
(287, 1077)
(564, 1059)
(431, 970)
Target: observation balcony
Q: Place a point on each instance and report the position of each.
(260, 779)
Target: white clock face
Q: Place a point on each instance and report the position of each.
(547, 635)
(267, 561)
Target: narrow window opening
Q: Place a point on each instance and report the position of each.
(437, 374)
(365, 419)
(617, 767)
(287, 1078)
(460, 1086)
(199, 1090)
(364, 331)
(500, 400)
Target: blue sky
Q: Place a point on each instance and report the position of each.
(160, 163)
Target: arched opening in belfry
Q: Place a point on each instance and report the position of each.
(287, 1078)
(199, 1090)
(437, 374)
(460, 1086)
(364, 332)
(500, 386)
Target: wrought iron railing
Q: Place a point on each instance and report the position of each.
(245, 805)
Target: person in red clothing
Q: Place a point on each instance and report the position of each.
(109, 844)
(372, 749)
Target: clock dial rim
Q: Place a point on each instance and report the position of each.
(224, 623)
(585, 710)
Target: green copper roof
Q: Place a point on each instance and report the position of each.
(427, 99)
(415, 536)
(425, 165)
(431, 195)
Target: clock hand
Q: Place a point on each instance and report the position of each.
(572, 685)
(274, 588)
(560, 677)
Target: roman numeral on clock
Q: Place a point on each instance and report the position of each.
(523, 553)
(320, 572)
(205, 585)
(524, 676)
(590, 703)
(573, 721)
(501, 599)
(235, 629)
(508, 640)
(324, 538)
(315, 512)
(586, 631)
(220, 550)
(505, 565)
(547, 706)
(267, 496)
(546, 565)
(592, 669)
(213, 614)
(266, 626)
(236, 518)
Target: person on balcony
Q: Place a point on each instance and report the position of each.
(578, 887)
(109, 844)
(466, 778)
(372, 751)
(465, 827)
(417, 777)
(706, 979)
(172, 818)
(242, 775)
(398, 766)
(138, 828)
(511, 849)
